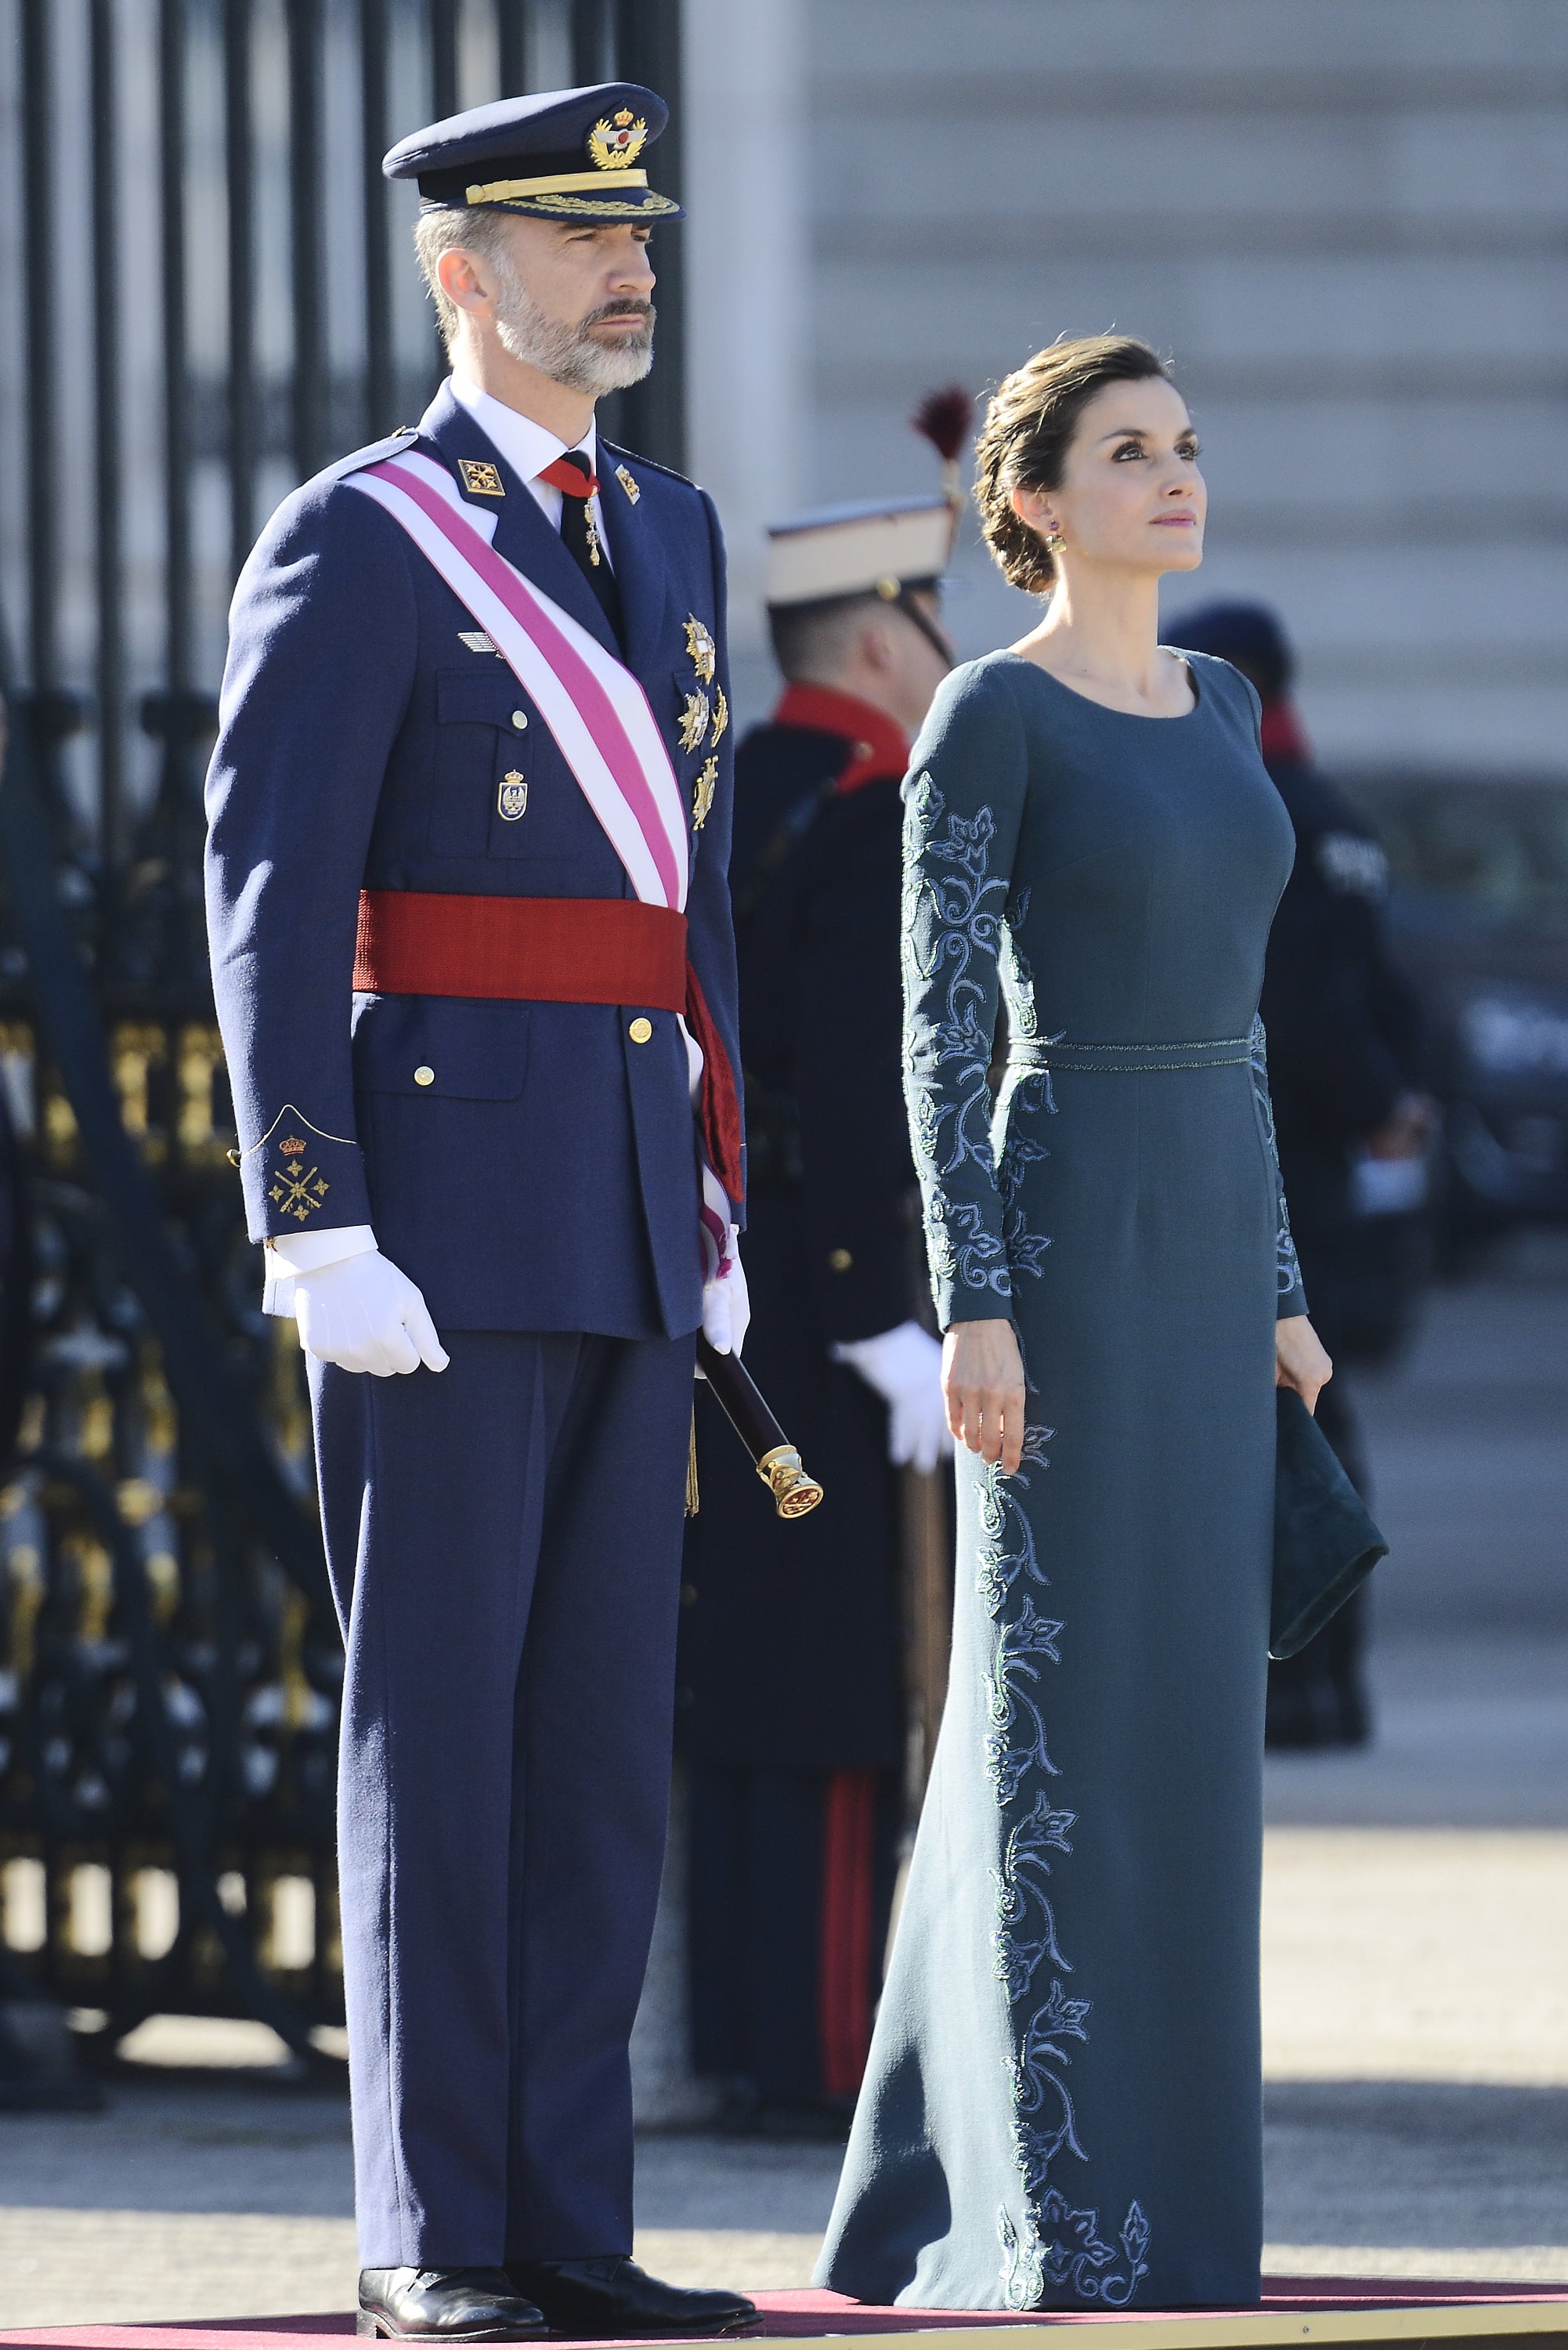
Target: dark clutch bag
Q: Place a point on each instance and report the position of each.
(1325, 1545)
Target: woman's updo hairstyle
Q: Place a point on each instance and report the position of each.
(1028, 429)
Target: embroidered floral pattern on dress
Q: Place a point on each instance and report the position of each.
(955, 932)
(1053, 2245)
(959, 951)
(1288, 1272)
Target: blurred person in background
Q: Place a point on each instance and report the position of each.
(1353, 1121)
(792, 1711)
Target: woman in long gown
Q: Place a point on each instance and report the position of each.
(1062, 2106)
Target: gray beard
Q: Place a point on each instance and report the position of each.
(569, 356)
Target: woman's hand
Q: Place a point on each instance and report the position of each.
(1300, 1361)
(982, 1386)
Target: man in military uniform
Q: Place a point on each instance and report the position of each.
(790, 1672)
(470, 810)
(1345, 1057)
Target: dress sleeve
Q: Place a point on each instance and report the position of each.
(1288, 1272)
(963, 805)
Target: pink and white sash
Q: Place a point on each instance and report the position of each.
(594, 706)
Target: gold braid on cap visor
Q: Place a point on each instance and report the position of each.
(562, 190)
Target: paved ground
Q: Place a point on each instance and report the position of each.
(1414, 1938)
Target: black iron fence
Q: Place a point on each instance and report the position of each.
(206, 291)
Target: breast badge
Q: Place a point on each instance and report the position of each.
(720, 716)
(694, 720)
(297, 1191)
(700, 644)
(627, 484)
(512, 797)
(702, 794)
(480, 480)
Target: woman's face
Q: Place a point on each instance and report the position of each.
(1131, 496)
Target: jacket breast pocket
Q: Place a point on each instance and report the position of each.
(440, 1049)
(501, 788)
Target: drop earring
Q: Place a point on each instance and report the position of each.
(1054, 540)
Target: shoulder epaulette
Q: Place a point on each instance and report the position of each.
(357, 462)
(652, 465)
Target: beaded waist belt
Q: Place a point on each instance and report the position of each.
(1059, 1052)
(522, 950)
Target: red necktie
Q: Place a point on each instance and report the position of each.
(570, 474)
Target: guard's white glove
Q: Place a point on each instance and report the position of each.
(905, 1368)
(726, 1306)
(363, 1314)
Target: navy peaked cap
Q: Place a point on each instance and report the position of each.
(562, 154)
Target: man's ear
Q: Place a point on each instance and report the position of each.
(457, 271)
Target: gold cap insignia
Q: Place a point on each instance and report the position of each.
(700, 644)
(480, 480)
(720, 715)
(702, 794)
(627, 484)
(616, 143)
(512, 797)
(694, 720)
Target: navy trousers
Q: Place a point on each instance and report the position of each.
(503, 1539)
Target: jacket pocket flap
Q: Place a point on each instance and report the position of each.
(484, 695)
(437, 1046)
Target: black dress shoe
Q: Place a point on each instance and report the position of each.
(612, 2298)
(445, 2306)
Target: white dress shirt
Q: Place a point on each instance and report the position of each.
(528, 448)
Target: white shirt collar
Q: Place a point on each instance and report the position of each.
(528, 447)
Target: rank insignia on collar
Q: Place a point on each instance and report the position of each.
(694, 720)
(627, 484)
(700, 644)
(720, 715)
(615, 143)
(702, 794)
(480, 480)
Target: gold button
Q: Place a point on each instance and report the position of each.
(839, 1259)
(640, 1030)
(520, 719)
(424, 1074)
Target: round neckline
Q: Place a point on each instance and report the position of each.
(1138, 717)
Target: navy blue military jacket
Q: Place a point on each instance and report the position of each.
(540, 1171)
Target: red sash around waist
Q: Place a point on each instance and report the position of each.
(552, 950)
(521, 950)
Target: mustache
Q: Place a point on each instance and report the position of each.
(628, 307)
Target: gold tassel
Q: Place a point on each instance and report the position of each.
(692, 1467)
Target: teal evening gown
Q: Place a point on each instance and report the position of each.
(1063, 2105)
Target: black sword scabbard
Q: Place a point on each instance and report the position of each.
(778, 1464)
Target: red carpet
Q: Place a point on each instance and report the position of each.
(823, 2315)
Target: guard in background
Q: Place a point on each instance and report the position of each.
(1345, 1069)
(790, 1700)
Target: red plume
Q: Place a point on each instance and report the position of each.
(946, 419)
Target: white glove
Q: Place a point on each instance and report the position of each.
(726, 1306)
(905, 1368)
(363, 1314)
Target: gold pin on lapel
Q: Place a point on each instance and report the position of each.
(480, 480)
(627, 484)
(700, 644)
(720, 716)
(702, 794)
(694, 720)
